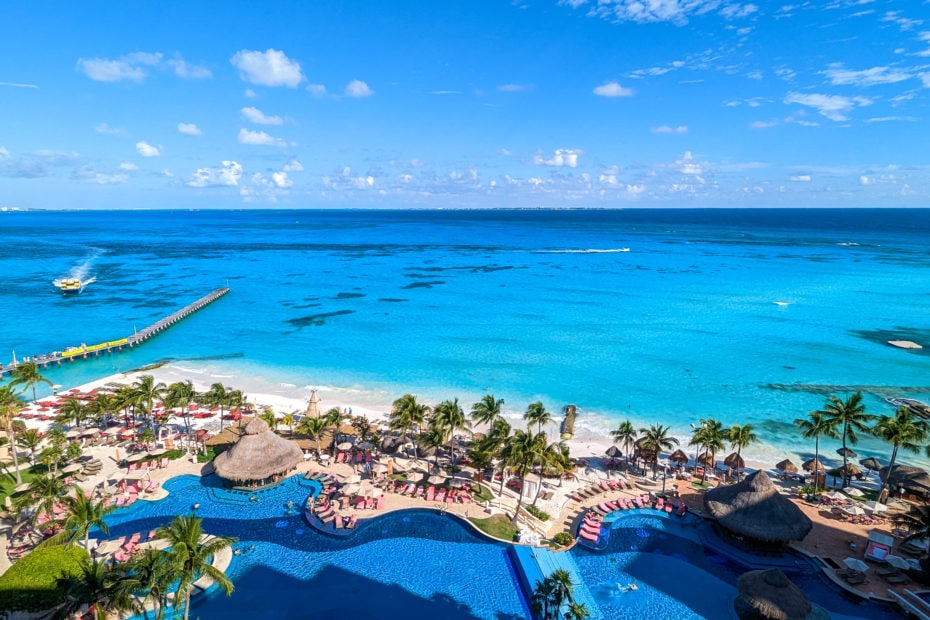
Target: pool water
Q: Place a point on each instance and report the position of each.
(678, 577)
(408, 564)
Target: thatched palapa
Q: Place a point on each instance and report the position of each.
(909, 478)
(770, 595)
(679, 456)
(787, 466)
(258, 455)
(753, 508)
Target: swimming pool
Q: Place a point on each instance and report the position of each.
(677, 576)
(407, 564)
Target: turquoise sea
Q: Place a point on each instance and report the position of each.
(652, 315)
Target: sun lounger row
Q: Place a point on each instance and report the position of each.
(641, 501)
(602, 487)
(590, 528)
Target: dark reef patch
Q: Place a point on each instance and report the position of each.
(392, 299)
(316, 319)
(882, 336)
(428, 284)
(348, 295)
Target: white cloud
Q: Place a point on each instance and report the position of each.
(268, 68)
(674, 11)
(185, 70)
(18, 85)
(280, 180)
(864, 180)
(128, 166)
(513, 88)
(358, 89)
(189, 129)
(226, 175)
(293, 166)
(833, 107)
(259, 137)
(147, 150)
(249, 93)
(258, 117)
(4, 153)
(89, 175)
(680, 129)
(800, 178)
(561, 157)
(762, 124)
(612, 89)
(317, 90)
(109, 131)
(925, 79)
(135, 67)
(688, 165)
(841, 76)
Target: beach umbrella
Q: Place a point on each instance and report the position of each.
(856, 564)
(706, 459)
(854, 510)
(853, 492)
(898, 562)
(415, 476)
(107, 547)
(770, 595)
(786, 466)
(436, 479)
(379, 468)
(835, 495)
(365, 445)
(73, 467)
(74, 433)
(812, 464)
(352, 479)
(21, 488)
(846, 452)
(613, 452)
(350, 489)
(679, 456)
(345, 445)
(90, 432)
(871, 463)
(373, 492)
(875, 506)
(734, 461)
(157, 452)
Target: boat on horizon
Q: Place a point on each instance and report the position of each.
(69, 286)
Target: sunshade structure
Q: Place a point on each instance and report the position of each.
(812, 464)
(258, 455)
(871, 463)
(613, 452)
(856, 564)
(786, 466)
(706, 459)
(734, 461)
(906, 477)
(754, 509)
(313, 405)
(678, 456)
(846, 452)
(770, 595)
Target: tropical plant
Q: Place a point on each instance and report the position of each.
(155, 573)
(128, 399)
(190, 552)
(521, 452)
(216, 396)
(30, 439)
(816, 424)
(147, 393)
(180, 395)
(80, 515)
(709, 435)
(904, 430)
(625, 435)
(104, 407)
(362, 426)
(487, 410)
(917, 523)
(72, 411)
(408, 415)
(102, 589)
(741, 436)
(10, 403)
(850, 416)
(43, 493)
(576, 611)
(537, 414)
(28, 374)
(448, 418)
(333, 419)
(315, 428)
(554, 591)
(288, 420)
(269, 417)
(655, 439)
(51, 457)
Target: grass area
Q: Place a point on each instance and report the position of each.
(497, 526)
(8, 479)
(31, 583)
(480, 493)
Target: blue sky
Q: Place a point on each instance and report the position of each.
(573, 103)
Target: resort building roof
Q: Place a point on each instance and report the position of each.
(258, 454)
(754, 508)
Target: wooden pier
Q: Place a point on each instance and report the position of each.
(137, 338)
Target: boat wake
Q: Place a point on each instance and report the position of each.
(586, 251)
(79, 277)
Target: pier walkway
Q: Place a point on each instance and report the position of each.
(137, 338)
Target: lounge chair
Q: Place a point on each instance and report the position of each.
(420, 491)
(588, 536)
(441, 495)
(380, 504)
(338, 524)
(353, 520)
(430, 493)
(370, 503)
(450, 498)
(895, 578)
(360, 504)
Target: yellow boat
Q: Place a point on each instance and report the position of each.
(69, 286)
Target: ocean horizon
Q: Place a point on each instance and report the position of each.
(653, 315)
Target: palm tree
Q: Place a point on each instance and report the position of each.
(30, 439)
(577, 611)
(72, 410)
(904, 430)
(43, 493)
(491, 445)
(216, 396)
(917, 523)
(28, 374)
(82, 514)
(816, 424)
(741, 436)
(542, 599)
(288, 420)
(625, 435)
(710, 436)
(180, 395)
(333, 419)
(487, 410)
(552, 462)
(552, 592)
(148, 393)
(10, 403)
(315, 428)
(103, 407)
(849, 415)
(536, 414)
(155, 573)
(102, 589)
(269, 417)
(408, 415)
(128, 399)
(523, 450)
(448, 417)
(191, 553)
(655, 439)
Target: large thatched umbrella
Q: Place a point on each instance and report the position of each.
(706, 459)
(770, 595)
(678, 456)
(613, 452)
(848, 453)
(787, 466)
(907, 477)
(812, 464)
(258, 455)
(754, 508)
(734, 461)
(313, 405)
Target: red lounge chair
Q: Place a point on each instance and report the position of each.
(441, 495)
(420, 491)
(360, 504)
(430, 493)
(588, 536)
(660, 504)
(450, 498)
(668, 508)
(380, 503)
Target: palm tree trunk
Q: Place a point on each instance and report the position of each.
(894, 457)
(738, 450)
(12, 433)
(817, 460)
(845, 458)
(187, 604)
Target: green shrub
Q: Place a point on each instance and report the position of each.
(564, 539)
(536, 512)
(31, 583)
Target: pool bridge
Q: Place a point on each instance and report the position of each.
(137, 338)
(534, 564)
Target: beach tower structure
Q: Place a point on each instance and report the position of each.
(770, 595)
(258, 456)
(753, 511)
(313, 405)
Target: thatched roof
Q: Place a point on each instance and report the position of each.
(706, 458)
(907, 477)
(679, 456)
(734, 461)
(754, 508)
(812, 464)
(786, 466)
(769, 594)
(257, 455)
